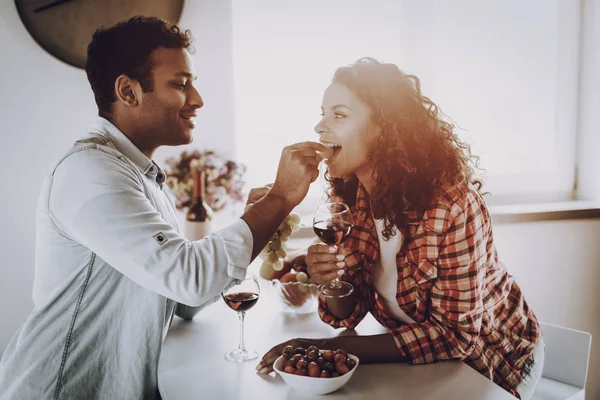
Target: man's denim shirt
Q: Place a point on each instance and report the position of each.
(110, 265)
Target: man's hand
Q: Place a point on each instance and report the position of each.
(298, 168)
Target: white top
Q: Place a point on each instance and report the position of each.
(110, 266)
(385, 273)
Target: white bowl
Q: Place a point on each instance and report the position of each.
(310, 385)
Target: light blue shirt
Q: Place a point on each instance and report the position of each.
(110, 265)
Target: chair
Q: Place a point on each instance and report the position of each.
(566, 364)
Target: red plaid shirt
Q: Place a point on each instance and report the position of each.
(450, 281)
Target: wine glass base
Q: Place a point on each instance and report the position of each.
(336, 289)
(241, 356)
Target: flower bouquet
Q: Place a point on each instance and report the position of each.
(224, 178)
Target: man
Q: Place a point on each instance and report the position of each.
(111, 265)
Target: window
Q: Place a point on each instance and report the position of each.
(506, 72)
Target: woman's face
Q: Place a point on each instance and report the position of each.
(346, 126)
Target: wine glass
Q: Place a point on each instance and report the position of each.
(242, 297)
(333, 223)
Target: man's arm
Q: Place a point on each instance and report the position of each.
(263, 219)
(98, 201)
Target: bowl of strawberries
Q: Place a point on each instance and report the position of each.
(289, 289)
(313, 371)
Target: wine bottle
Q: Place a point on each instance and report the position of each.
(198, 219)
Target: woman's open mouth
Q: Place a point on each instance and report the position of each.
(330, 155)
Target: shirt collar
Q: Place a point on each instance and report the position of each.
(123, 143)
(129, 150)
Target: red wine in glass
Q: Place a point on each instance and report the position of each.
(242, 301)
(241, 297)
(333, 224)
(334, 232)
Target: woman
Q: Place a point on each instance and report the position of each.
(421, 256)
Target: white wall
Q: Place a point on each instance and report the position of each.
(557, 264)
(45, 105)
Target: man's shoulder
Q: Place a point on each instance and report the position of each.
(92, 148)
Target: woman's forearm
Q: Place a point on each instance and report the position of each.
(369, 349)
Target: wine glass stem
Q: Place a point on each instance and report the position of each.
(241, 346)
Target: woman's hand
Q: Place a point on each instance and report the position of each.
(265, 366)
(325, 263)
(295, 294)
(257, 194)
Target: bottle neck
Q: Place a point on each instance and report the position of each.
(199, 190)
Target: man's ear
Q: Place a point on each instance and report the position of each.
(126, 90)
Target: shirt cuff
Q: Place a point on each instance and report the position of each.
(238, 243)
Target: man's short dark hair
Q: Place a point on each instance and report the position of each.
(126, 48)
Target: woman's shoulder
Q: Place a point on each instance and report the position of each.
(460, 201)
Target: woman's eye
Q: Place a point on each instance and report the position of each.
(339, 115)
(179, 85)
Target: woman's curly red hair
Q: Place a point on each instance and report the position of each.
(417, 155)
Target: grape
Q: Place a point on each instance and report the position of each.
(278, 265)
(286, 231)
(294, 219)
(281, 253)
(272, 257)
(265, 252)
(266, 270)
(276, 244)
(284, 238)
(276, 250)
(302, 277)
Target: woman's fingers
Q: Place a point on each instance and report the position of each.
(257, 194)
(319, 258)
(265, 365)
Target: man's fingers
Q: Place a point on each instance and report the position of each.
(306, 153)
(313, 145)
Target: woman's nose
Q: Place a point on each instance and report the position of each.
(320, 128)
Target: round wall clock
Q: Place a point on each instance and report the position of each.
(64, 28)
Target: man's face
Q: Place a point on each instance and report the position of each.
(167, 113)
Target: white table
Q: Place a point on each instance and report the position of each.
(192, 365)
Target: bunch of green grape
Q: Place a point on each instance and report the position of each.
(275, 251)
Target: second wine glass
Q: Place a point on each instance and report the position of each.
(242, 297)
(333, 224)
